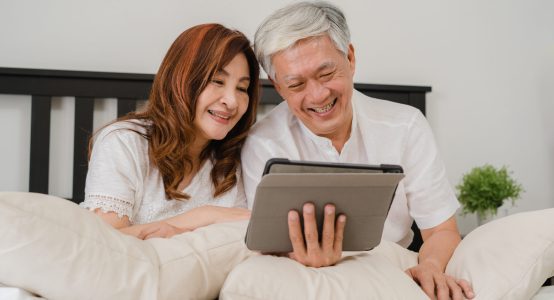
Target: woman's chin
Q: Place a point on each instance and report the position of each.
(218, 136)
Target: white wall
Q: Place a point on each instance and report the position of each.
(490, 63)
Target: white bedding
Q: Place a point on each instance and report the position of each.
(75, 254)
(14, 293)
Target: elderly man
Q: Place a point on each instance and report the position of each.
(306, 51)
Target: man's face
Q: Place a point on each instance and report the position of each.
(316, 80)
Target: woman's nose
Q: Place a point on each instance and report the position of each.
(229, 98)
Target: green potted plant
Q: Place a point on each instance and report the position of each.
(484, 189)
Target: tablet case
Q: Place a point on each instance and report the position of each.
(365, 199)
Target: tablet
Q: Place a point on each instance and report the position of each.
(363, 193)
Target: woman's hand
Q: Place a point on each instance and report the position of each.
(207, 215)
(159, 229)
(192, 219)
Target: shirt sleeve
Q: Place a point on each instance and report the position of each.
(254, 155)
(115, 172)
(431, 199)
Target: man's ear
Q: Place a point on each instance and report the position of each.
(275, 85)
(351, 58)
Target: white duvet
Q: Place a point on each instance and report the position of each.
(53, 248)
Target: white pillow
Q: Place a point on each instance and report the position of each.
(54, 248)
(509, 258)
(194, 265)
(362, 275)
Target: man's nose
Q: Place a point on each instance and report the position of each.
(317, 92)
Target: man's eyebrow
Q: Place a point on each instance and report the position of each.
(290, 78)
(325, 65)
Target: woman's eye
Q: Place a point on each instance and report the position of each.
(242, 89)
(217, 81)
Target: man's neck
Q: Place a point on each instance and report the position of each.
(339, 140)
(343, 134)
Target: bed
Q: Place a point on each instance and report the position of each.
(129, 90)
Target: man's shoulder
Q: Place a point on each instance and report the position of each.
(275, 124)
(383, 111)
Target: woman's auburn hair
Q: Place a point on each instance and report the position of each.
(188, 67)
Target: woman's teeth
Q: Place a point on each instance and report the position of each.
(325, 108)
(213, 113)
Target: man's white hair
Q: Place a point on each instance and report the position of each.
(298, 21)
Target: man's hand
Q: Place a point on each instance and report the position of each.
(439, 244)
(438, 285)
(311, 252)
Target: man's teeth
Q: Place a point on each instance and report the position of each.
(213, 113)
(325, 108)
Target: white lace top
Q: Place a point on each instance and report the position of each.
(121, 179)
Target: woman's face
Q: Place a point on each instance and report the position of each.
(223, 102)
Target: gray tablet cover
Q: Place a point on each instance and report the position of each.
(365, 199)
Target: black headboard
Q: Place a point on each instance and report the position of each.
(128, 88)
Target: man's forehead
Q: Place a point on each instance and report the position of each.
(297, 62)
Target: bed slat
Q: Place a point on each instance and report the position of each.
(40, 144)
(125, 106)
(84, 110)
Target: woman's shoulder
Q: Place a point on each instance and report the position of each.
(127, 131)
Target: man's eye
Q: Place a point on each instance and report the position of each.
(295, 85)
(327, 74)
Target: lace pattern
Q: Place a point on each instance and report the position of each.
(109, 204)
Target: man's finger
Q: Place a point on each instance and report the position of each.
(441, 287)
(339, 233)
(328, 234)
(426, 283)
(310, 229)
(295, 234)
(466, 288)
(455, 289)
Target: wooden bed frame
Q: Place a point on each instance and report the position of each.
(127, 88)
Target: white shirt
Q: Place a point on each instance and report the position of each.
(382, 132)
(121, 179)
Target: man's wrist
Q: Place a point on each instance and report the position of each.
(433, 263)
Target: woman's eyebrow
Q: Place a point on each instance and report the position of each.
(225, 73)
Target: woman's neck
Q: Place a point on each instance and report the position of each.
(195, 152)
(196, 149)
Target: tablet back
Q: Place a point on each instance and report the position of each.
(365, 199)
